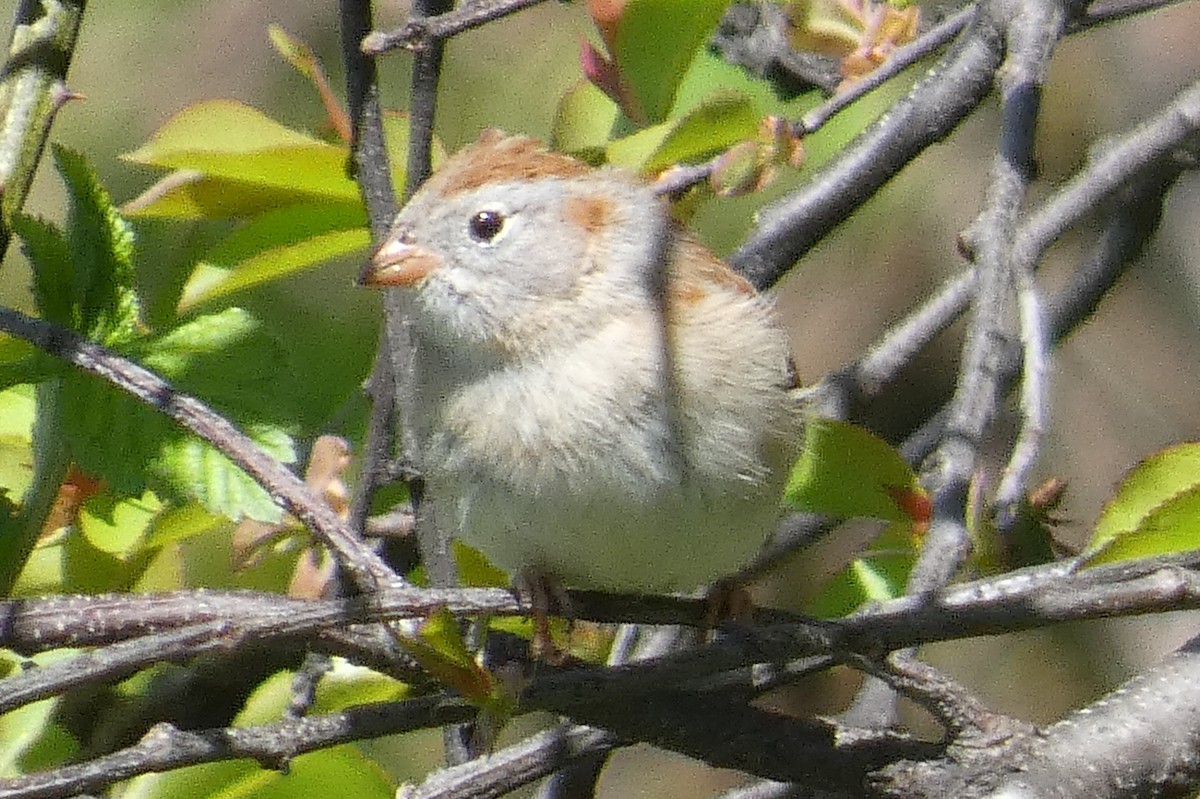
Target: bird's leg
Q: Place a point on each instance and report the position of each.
(543, 594)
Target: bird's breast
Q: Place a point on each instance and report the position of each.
(592, 417)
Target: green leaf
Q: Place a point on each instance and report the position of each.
(656, 41)
(723, 119)
(877, 575)
(1155, 511)
(118, 527)
(110, 434)
(338, 771)
(348, 685)
(709, 72)
(224, 358)
(441, 650)
(218, 357)
(47, 250)
(83, 279)
(274, 245)
(583, 122)
(181, 522)
(201, 472)
(226, 139)
(101, 244)
(17, 409)
(188, 194)
(28, 729)
(847, 471)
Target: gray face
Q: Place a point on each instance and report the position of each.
(511, 251)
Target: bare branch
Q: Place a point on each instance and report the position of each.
(898, 60)
(421, 33)
(514, 766)
(372, 172)
(1140, 740)
(1032, 28)
(165, 747)
(787, 229)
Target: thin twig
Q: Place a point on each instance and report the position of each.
(33, 88)
(166, 747)
(510, 768)
(898, 60)
(420, 33)
(372, 172)
(1034, 392)
(426, 73)
(1098, 14)
(933, 107)
(1138, 168)
(1032, 27)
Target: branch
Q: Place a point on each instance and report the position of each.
(898, 60)
(931, 110)
(515, 766)
(421, 33)
(1144, 734)
(33, 87)
(363, 565)
(1032, 28)
(165, 747)
(1033, 597)
(1135, 213)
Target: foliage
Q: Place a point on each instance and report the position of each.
(141, 505)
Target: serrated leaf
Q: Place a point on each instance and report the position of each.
(110, 434)
(1156, 509)
(134, 447)
(223, 358)
(656, 41)
(47, 250)
(83, 278)
(846, 471)
(101, 248)
(226, 139)
(201, 472)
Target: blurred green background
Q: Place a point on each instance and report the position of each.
(1124, 386)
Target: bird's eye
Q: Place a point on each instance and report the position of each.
(485, 226)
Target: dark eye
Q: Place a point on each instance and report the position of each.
(486, 225)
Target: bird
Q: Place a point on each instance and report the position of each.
(599, 400)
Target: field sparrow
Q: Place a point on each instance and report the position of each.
(601, 401)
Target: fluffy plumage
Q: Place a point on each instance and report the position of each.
(600, 398)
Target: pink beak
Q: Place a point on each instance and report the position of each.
(397, 263)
